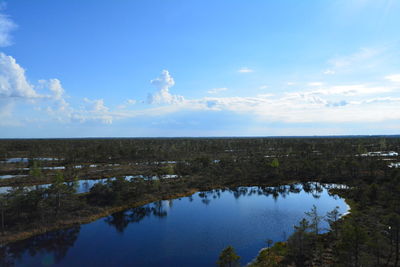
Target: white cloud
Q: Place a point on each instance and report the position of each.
(353, 90)
(13, 82)
(6, 116)
(127, 103)
(245, 70)
(58, 91)
(6, 26)
(304, 97)
(315, 84)
(96, 105)
(331, 103)
(56, 87)
(393, 78)
(319, 103)
(365, 59)
(262, 87)
(94, 110)
(16, 92)
(303, 108)
(343, 90)
(329, 72)
(380, 100)
(290, 83)
(163, 83)
(364, 54)
(217, 90)
(57, 96)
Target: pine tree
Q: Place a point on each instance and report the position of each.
(228, 258)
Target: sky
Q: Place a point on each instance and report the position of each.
(172, 68)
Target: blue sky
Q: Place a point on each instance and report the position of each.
(97, 68)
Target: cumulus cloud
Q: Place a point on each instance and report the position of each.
(56, 87)
(326, 103)
(17, 91)
(13, 82)
(217, 90)
(329, 103)
(57, 94)
(163, 83)
(245, 70)
(337, 104)
(319, 103)
(94, 110)
(96, 105)
(6, 26)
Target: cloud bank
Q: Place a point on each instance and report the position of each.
(314, 101)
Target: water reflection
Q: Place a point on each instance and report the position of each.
(84, 186)
(159, 209)
(55, 243)
(200, 219)
(316, 189)
(120, 220)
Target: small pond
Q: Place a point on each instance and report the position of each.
(190, 231)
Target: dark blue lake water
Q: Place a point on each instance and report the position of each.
(189, 231)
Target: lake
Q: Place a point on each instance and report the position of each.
(190, 231)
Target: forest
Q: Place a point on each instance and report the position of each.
(167, 168)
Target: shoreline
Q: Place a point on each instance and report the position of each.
(106, 211)
(18, 236)
(342, 217)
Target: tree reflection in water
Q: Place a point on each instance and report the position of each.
(120, 220)
(56, 243)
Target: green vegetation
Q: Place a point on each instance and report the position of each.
(228, 258)
(368, 236)
(272, 256)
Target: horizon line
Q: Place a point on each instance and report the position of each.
(209, 137)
